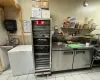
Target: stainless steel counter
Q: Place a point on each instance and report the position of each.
(55, 46)
(65, 58)
(64, 46)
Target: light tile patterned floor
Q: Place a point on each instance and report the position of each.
(93, 74)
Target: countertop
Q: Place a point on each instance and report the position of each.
(55, 46)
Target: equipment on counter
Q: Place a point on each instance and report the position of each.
(94, 42)
(58, 38)
(41, 33)
(13, 42)
(10, 26)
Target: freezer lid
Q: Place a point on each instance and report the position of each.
(21, 48)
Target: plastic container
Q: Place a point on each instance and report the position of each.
(72, 23)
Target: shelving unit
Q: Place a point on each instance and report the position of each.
(77, 30)
(41, 33)
(10, 3)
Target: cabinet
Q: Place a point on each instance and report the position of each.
(71, 59)
(62, 60)
(82, 59)
(67, 60)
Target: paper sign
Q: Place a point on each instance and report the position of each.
(27, 26)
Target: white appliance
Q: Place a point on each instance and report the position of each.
(21, 60)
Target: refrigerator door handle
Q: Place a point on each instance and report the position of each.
(67, 53)
(78, 52)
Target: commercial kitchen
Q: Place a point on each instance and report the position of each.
(49, 40)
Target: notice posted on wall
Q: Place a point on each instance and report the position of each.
(27, 26)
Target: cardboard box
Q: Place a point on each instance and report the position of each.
(44, 5)
(45, 13)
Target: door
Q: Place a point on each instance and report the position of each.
(62, 60)
(67, 60)
(56, 60)
(82, 59)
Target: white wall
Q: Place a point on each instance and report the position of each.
(61, 9)
(3, 33)
(12, 13)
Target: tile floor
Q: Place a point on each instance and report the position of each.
(93, 74)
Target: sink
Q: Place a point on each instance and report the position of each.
(7, 47)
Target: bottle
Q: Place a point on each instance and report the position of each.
(77, 25)
(67, 22)
(90, 23)
(72, 22)
(64, 24)
(86, 20)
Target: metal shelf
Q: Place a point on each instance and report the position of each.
(43, 69)
(42, 59)
(41, 29)
(41, 37)
(78, 30)
(42, 53)
(41, 45)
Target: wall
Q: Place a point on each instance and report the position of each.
(61, 9)
(3, 33)
(26, 6)
(12, 13)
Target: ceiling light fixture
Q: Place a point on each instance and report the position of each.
(85, 3)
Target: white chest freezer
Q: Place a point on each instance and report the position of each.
(21, 60)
